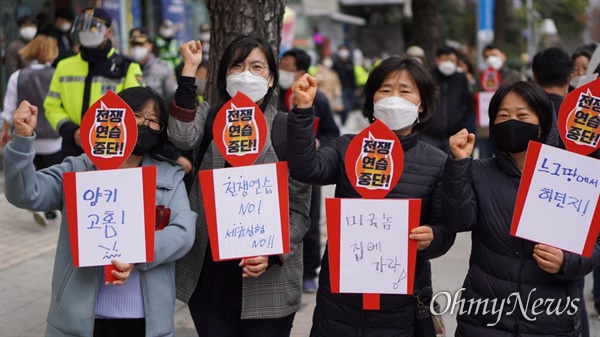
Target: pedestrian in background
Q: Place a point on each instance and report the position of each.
(141, 302)
(293, 65)
(479, 196)
(166, 44)
(256, 296)
(157, 73)
(455, 107)
(344, 67)
(329, 84)
(60, 30)
(495, 59)
(31, 84)
(80, 80)
(27, 30)
(401, 94)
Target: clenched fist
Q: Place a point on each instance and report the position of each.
(191, 53)
(461, 144)
(304, 90)
(25, 119)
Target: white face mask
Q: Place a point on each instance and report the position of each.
(90, 39)
(447, 68)
(167, 32)
(344, 54)
(396, 112)
(139, 53)
(65, 27)
(253, 86)
(494, 62)
(328, 63)
(286, 79)
(577, 81)
(28, 33)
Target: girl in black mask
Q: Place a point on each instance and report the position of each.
(479, 196)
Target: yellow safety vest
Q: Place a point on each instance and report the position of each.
(65, 97)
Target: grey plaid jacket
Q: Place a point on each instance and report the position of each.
(278, 291)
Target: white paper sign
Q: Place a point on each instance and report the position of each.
(374, 246)
(561, 199)
(247, 211)
(110, 216)
(483, 105)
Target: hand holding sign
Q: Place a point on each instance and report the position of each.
(254, 266)
(121, 272)
(304, 89)
(423, 235)
(548, 258)
(191, 53)
(461, 144)
(25, 119)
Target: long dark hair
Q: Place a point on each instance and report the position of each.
(138, 97)
(537, 99)
(423, 80)
(236, 52)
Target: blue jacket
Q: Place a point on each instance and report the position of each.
(74, 290)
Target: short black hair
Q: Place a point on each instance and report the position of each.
(25, 19)
(489, 47)
(446, 50)
(300, 56)
(235, 53)
(138, 97)
(423, 80)
(552, 67)
(65, 13)
(537, 99)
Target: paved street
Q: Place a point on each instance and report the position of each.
(27, 254)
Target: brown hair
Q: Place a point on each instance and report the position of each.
(42, 48)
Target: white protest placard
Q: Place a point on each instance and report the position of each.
(557, 203)
(369, 248)
(247, 210)
(111, 215)
(483, 105)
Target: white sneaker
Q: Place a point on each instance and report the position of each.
(40, 218)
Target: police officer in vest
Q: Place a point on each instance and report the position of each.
(167, 47)
(80, 80)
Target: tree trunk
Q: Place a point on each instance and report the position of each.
(233, 18)
(425, 28)
(500, 16)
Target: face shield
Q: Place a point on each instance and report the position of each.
(90, 29)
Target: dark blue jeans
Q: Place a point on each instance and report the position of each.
(215, 319)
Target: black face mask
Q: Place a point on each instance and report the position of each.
(146, 141)
(513, 136)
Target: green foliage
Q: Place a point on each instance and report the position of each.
(458, 20)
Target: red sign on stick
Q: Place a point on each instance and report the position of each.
(374, 161)
(579, 119)
(240, 131)
(108, 132)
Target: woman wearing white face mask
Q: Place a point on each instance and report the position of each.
(257, 296)
(27, 31)
(401, 94)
